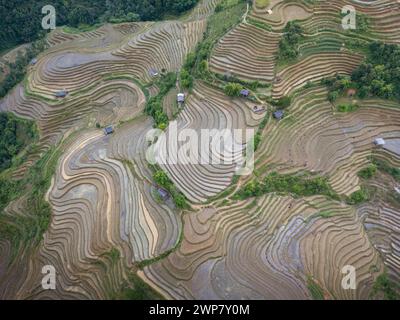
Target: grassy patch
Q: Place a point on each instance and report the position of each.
(358, 197)
(217, 25)
(349, 107)
(16, 135)
(315, 290)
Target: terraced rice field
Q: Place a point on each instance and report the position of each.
(108, 219)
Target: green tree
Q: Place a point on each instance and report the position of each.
(233, 89)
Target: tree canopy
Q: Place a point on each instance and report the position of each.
(15, 135)
(20, 20)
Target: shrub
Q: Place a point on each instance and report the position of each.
(288, 46)
(358, 197)
(233, 89)
(284, 102)
(297, 185)
(368, 172)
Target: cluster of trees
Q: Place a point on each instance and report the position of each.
(15, 135)
(161, 178)
(378, 76)
(297, 185)
(186, 78)
(154, 107)
(289, 44)
(384, 285)
(368, 172)
(17, 69)
(20, 20)
(336, 86)
(283, 102)
(358, 197)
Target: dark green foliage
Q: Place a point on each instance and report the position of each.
(20, 20)
(258, 135)
(333, 95)
(283, 102)
(18, 68)
(368, 172)
(15, 135)
(384, 286)
(363, 23)
(288, 46)
(296, 185)
(257, 140)
(218, 24)
(380, 75)
(186, 78)
(387, 168)
(315, 290)
(358, 197)
(9, 189)
(161, 178)
(233, 89)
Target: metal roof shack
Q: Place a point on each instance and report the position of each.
(61, 94)
(258, 109)
(379, 142)
(181, 97)
(153, 72)
(33, 61)
(279, 114)
(244, 93)
(108, 130)
(163, 193)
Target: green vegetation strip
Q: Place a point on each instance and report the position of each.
(154, 107)
(315, 290)
(16, 135)
(385, 288)
(17, 69)
(162, 179)
(297, 185)
(387, 168)
(28, 227)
